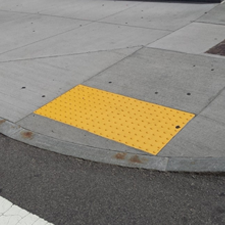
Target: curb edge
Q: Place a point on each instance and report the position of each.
(124, 159)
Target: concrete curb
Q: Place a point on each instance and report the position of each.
(170, 164)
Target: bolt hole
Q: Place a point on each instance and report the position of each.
(156, 92)
(43, 96)
(188, 93)
(177, 127)
(23, 87)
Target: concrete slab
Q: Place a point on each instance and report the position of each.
(24, 5)
(176, 80)
(27, 85)
(93, 37)
(160, 15)
(12, 108)
(214, 16)
(195, 38)
(201, 137)
(83, 9)
(20, 29)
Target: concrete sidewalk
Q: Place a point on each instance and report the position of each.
(149, 51)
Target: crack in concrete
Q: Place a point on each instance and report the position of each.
(46, 15)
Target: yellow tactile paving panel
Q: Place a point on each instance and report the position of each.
(139, 124)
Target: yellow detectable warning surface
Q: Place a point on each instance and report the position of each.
(139, 124)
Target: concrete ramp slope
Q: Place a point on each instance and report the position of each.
(128, 83)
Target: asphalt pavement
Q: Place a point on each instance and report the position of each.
(69, 191)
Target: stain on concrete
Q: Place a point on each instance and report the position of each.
(120, 156)
(2, 121)
(27, 134)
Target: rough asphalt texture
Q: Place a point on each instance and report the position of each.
(65, 190)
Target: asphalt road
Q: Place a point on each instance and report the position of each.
(69, 191)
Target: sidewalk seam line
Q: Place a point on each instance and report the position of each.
(208, 23)
(208, 11)
(141, 47)
(213, 98)
(46, 15)
(68, 54)
(169, 33)
(11, 50)
(126, 25)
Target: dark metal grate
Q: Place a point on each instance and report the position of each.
(219, 49)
